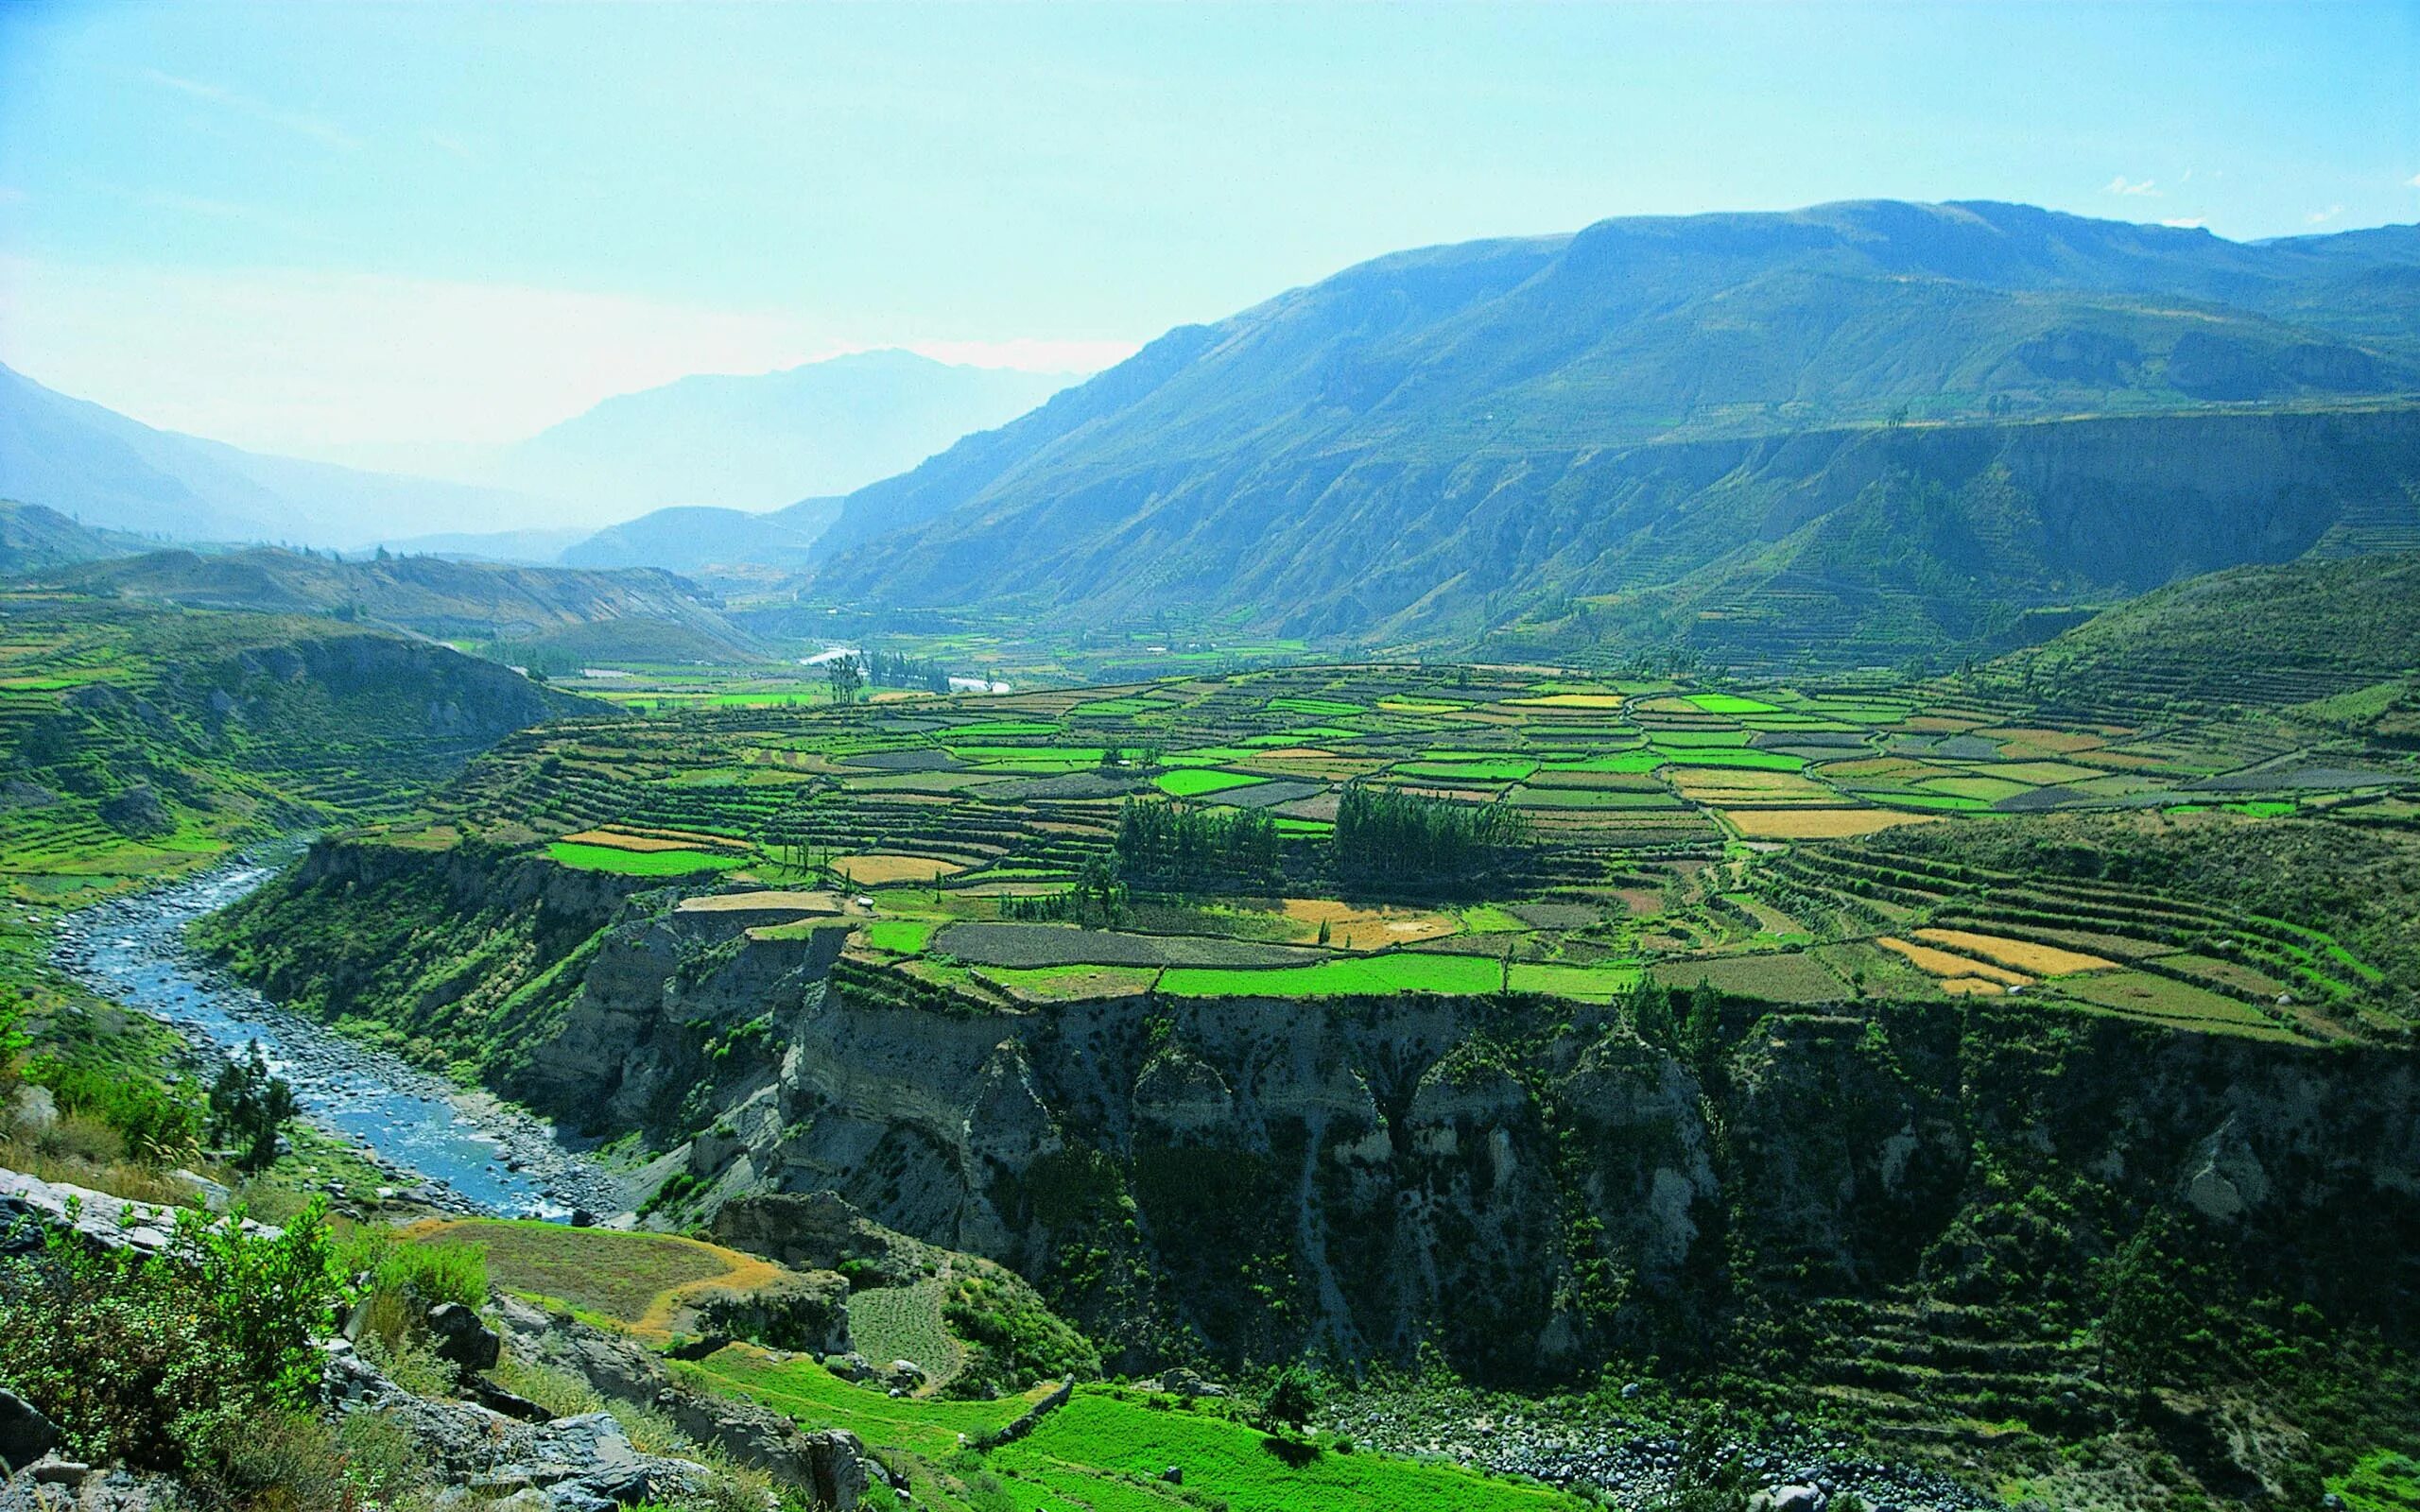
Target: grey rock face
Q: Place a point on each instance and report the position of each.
(462, 1339)
(25, 1435)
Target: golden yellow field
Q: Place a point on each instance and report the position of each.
(1942, 963)
(763, 901)
(874, 871)
(2024, 956)
(1814, 824)
(1367, 929)
(1734, 785)
(1570, 700)
(1969, 987)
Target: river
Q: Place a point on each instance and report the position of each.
(473, 1153)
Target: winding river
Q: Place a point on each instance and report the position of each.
(454, 1150)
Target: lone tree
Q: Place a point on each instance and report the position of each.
(247, 1105)
(847, 677)
(1292, 1397)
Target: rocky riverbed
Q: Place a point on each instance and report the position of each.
(1635, 1462)
(448, 1149)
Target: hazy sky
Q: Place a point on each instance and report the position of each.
(303, 226)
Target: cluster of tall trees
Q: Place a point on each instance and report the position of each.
(891, 669)
(1174, 846)
(1400, 841)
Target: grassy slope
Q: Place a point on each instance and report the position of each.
(1107, 1449)
(2259, 635)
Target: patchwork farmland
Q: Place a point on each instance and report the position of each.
(1797, 844)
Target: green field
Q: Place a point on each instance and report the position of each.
(1399, 971)
(905, 1323)
(1194, 783)
(639, 863)
(616, 1275)
(1107, 1449)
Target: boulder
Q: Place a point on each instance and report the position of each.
(462, 1339)
(800, 1310)
(587, 1463)
(1787, 1499)
(26, 1433)
(60, 1486)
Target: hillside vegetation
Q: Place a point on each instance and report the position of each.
(2264, 636)
(142, 738)
(34, 538)
(1851, 432)
(436, 596)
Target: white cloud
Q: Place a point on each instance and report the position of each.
(2413, 180)
(2321, 217)
(319, 364)
(2185, 223)
(299, 123)
(2121, 185)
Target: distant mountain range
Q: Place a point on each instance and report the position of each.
(749, 443)
(693, 539)
(1850, 432)
(107, 471)
(733, 444)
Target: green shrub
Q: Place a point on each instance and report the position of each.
(1015, 1339)
(1184, 847)
(157, 1125)
(429, 1273)
(149, 1359)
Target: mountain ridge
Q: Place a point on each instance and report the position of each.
(1449, 375)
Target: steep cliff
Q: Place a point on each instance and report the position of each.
(1532, 1189)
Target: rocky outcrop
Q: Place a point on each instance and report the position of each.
(31, 1208)
(25, 1435)
(802, 1310)
(578, 1463)
(831, 1466)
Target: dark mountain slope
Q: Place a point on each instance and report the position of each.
(429, 595)
(34, 538)
(1446, 441)
(140, 735)
(688, 538)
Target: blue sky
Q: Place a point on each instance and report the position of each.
(325, 227)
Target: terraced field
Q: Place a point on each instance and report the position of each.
(1767, 840)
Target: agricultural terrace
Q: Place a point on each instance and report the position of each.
(1372, 830)
(1108, 1448)
(1103, 1448)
